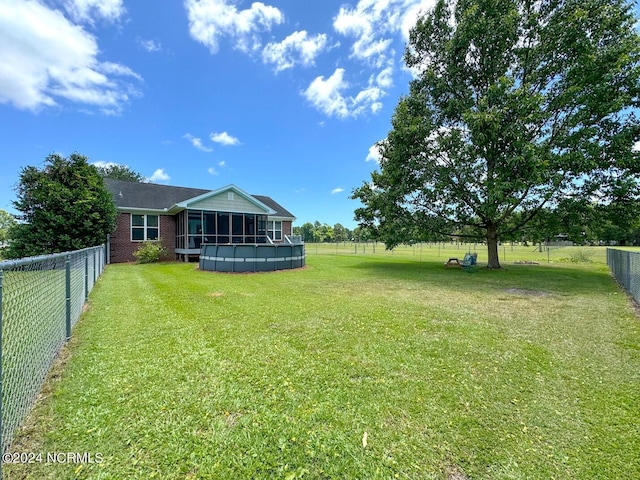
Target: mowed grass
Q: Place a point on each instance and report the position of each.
(430, 252)
(532, 372)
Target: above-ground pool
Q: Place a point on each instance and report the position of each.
(251, 258)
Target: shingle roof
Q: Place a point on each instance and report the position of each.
(271, 203)
(159, 197)
(148, 195)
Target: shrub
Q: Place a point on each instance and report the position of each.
(150, 252)
(582, 255)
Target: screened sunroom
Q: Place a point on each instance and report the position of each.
(226, 216)
(195, 227)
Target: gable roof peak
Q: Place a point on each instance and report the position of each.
(212, 193)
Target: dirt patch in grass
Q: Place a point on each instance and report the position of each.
(527, 292)
(215, 294)
(456, 476)
(232, 418)
(452, 472)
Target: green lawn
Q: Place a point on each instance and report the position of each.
(509, 253)
(532, 372)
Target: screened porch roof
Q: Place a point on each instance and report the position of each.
(228, 199)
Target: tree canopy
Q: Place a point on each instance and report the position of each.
(64, 206)
(322, 233)
(7, 221)
(120, 172)
(516, 106)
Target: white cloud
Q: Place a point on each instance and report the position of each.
(367, 99)
(374, 24)
(101, 164)
(197, 142)
(337, 190)
(46, 58)
(87, 10)
(373, 155)
(150, 45)
(384, 79)
(211, 20)
(374, 27)
(370, 22)
(298, 47)
(213, 170)
(224, 139)
(159, 176)
(117, 69)
(414, 10)
(636, 146)
(328, 96)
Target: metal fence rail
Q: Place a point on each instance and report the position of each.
(41, 299)
(625, 266)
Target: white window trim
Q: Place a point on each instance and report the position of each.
(145, 227)
(271, 230)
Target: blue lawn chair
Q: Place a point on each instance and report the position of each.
(469, 262)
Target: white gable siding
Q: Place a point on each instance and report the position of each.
(221, 203)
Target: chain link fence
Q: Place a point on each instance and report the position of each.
(625, 266)
(41, 299)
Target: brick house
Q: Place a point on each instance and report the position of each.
(185, 218)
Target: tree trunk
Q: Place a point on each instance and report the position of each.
(492, 247)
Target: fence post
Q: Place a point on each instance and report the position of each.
(67, 267)
(86, 275)
(628, 272)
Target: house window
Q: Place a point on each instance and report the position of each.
(145, 227)
(274, 229)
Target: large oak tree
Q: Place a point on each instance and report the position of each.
(516, 106)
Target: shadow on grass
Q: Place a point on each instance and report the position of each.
(563, 279)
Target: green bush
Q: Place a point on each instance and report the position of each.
(150, 251)
(582, 255)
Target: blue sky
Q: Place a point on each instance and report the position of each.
(283, 98)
